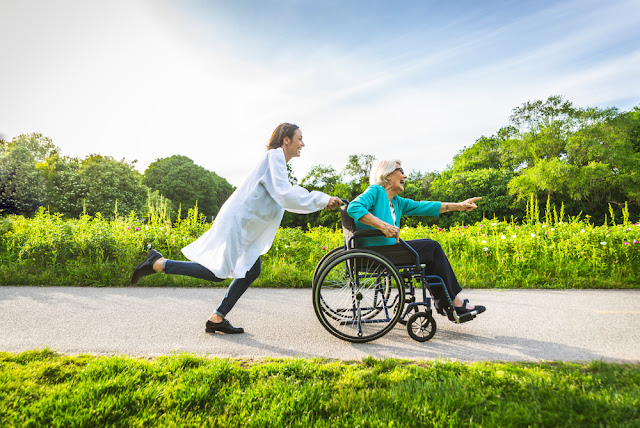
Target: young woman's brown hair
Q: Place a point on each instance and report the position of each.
(284, 130)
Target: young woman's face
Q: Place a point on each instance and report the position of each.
(396, 180)
(292, 146)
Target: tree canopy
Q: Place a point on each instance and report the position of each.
(187, 184)
(584, 158)
(108, 182)
(21, 182)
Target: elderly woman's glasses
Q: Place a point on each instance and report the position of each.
(399, 169)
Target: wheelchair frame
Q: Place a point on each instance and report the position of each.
(361, 293)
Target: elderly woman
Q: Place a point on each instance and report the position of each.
(244, 228)
(380, 207)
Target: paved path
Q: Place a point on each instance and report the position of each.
(519, 325)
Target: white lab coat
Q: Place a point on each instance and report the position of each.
(248, 221)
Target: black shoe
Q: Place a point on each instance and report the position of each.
(465, 314)
(223, 326)
(478, 308)
(146, 267)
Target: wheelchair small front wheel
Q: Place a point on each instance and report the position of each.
(421, 326)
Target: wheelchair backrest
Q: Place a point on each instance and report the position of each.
(348, 224)
(398, 254)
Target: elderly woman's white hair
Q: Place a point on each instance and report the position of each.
(381, 170)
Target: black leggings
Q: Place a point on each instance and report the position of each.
(432, 255)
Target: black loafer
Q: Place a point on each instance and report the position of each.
(465, 314)
(223, 326)
(146, 267)
(478, 308)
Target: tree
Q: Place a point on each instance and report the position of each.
(21, 187)
(607, 155)
(21, 180)
(359, 167)
(325, 179)
(187, 184)
(489, 183)
(484, 153)
(65, 191)
(418, 185)
(109, 182)
(537, 115)
(585, 158)
(550, 178)
(538, 130)
(320, 177)
(223, 189)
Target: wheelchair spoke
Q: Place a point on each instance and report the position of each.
(356, 296)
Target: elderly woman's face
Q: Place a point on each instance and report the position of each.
(396, 180)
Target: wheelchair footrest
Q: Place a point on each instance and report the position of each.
(464, 317)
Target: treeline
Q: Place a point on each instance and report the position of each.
(580, 160)
(583, 161)
(34, 173)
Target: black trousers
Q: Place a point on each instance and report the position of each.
(236, 289)
(433, 257)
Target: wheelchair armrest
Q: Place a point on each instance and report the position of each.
(367, 233)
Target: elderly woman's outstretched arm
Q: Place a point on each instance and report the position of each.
(468, 205)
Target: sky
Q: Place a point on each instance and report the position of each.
(417, 81)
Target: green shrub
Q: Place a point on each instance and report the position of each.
(50, 250)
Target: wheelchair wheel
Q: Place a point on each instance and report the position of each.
(358, 296)
(324, 260)
(421, 326)
(343, 274)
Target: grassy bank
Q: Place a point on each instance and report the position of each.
(49, 250)
(40, 388)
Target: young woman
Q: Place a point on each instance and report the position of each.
(245, 227)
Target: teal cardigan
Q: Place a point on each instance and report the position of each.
(375, 201)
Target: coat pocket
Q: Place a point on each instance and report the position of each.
(252, 228)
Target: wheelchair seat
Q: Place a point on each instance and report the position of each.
(400, 254)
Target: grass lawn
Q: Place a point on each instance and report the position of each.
(42, 388)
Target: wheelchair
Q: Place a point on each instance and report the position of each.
(361, 293)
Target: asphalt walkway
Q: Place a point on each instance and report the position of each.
(519, 325)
